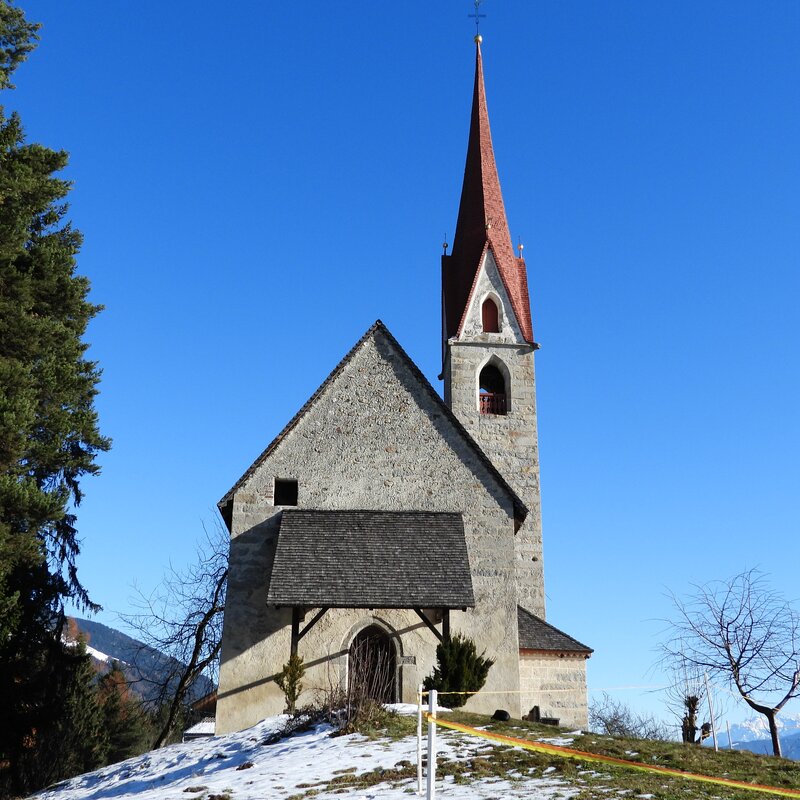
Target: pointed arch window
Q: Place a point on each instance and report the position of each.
(490, 315)
(492, 397)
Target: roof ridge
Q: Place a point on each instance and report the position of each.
(487, 462)
(520, 508)
(300, 412)
(474, 285)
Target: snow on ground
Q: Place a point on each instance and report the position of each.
(242, 766)
(409, 709)
(558, 741)
(97, 654)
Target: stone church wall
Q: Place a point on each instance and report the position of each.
(373, 439)
(557, 684)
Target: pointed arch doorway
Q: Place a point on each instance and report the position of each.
(372, 665)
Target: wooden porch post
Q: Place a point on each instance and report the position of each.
(295, 630)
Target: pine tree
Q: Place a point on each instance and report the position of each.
(49, 436)
(65, 733)
(48, 432)
(458, 668)
(17, 39)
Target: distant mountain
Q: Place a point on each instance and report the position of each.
(790, 746)
(144, 666)
(753, 734)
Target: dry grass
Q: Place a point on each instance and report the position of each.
(591, 781)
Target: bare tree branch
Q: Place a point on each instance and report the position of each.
(614, 718)
(182, 618)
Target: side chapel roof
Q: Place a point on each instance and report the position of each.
(536, 634)
(520, 509)
(482, 224)
(371, 559)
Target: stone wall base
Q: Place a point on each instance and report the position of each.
(557, 684)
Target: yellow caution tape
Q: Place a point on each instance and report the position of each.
(567, 752)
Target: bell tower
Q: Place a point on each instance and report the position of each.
(487, 341)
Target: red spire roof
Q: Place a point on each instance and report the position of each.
(481, 222)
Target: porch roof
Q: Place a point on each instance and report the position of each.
(536, 634)
(371, 559)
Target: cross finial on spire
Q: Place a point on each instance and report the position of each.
(478, 17)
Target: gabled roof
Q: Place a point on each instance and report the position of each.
(520, 509)
(536, 634)
(371, 559)
(474, 286)
(481, 220)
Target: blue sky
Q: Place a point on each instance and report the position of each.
(258, 184)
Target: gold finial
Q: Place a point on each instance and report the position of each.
(520, 247)
(478, 39)
(445, 245)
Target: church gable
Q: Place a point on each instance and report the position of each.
(489, 315)
(374, 435)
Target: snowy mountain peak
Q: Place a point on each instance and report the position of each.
(756, 727)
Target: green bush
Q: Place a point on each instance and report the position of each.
(289, 680)
(459, 669)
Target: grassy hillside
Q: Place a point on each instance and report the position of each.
(317, 763)
(589, 780)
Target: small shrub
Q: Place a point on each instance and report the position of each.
(289, 680)
(459, 669)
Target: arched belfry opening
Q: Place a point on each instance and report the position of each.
(372, 665)
(490, 316)
(492, 390)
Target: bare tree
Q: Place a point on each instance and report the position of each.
(182, 618)
(745, 634)
(685, 697)
(614, 718)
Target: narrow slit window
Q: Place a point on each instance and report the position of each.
(285, 492)
(490, 315)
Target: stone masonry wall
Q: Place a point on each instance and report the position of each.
(557, 684)
(510, 441)
(371, 440)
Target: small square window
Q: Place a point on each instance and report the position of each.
(285, 492)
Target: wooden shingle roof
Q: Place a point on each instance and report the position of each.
(371, 559)
(536, 634)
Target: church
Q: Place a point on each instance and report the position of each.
(384, 517)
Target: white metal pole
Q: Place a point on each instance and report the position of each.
(419, 740)
(711, 713)
(431, 745)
